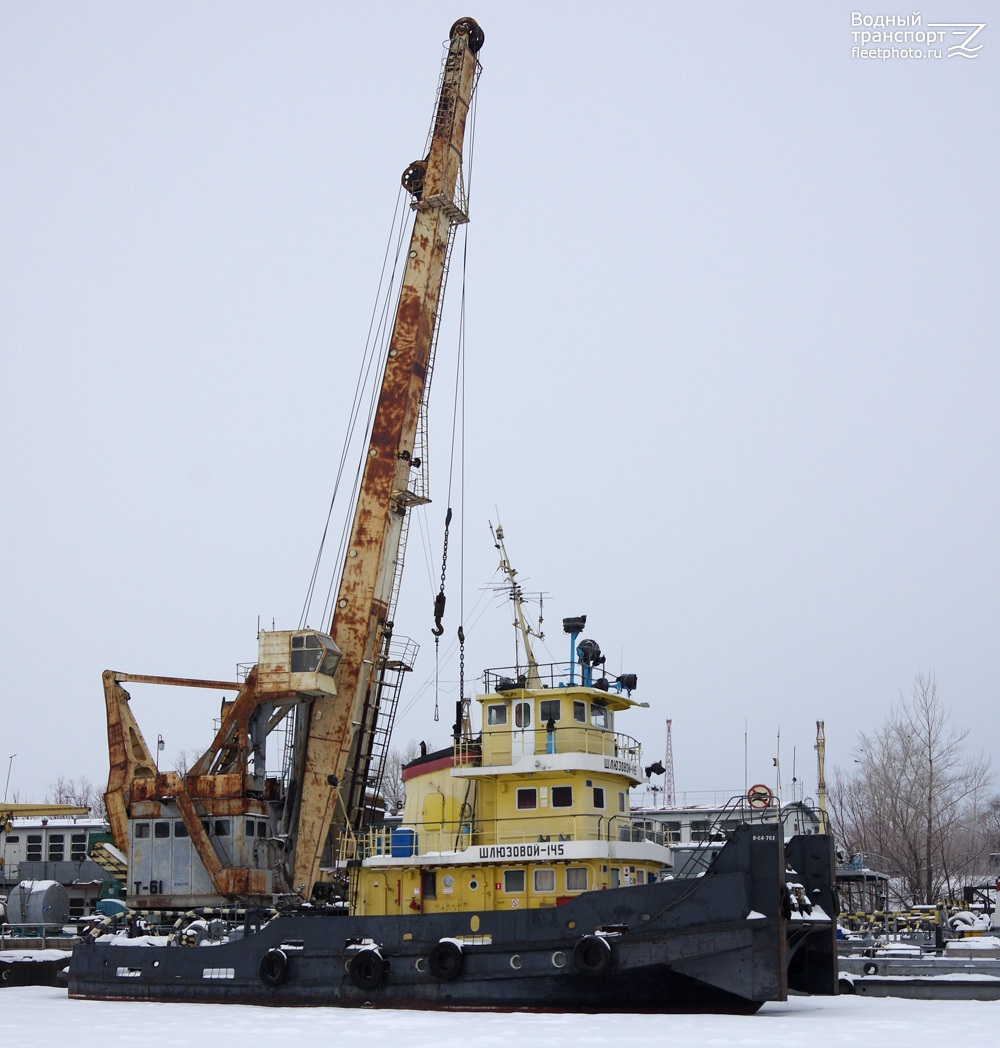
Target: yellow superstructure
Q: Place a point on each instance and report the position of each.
(530, 812)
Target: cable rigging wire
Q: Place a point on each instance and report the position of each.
(375, 338)
(457, 440)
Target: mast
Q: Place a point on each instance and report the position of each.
(339, 729)
(532, 679)
(824, 821)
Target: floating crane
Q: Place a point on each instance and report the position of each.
(236, 832)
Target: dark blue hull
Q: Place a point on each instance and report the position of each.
(723, 942)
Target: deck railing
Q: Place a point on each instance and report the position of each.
(500, 747)
(451, 836)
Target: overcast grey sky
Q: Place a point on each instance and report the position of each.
(732, 363)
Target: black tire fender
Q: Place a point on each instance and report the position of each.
(366, 968)
(446, 960)
(870, 968)
(274, 968)
(592, 955)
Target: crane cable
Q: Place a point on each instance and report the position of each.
(458, 411)
(376, 333)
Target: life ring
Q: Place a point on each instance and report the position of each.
(274, 968)
(366, 968)
(592, 955)
(446, 960)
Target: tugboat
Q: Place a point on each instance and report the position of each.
(512, 880)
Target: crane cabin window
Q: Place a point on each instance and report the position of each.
(34, 847)
(306, 653)
(57, 847)
(496, 714)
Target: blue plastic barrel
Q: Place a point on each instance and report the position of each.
(403, 842)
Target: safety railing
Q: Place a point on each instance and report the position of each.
(500, 747)
(401, 842)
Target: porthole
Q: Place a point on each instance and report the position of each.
(559, 959)
(473, 884)
(515, 961)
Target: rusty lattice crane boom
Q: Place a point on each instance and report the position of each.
(206, 835)
(340, 727)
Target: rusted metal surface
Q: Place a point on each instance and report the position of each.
(359, 623)
(216, 785)
(129, 757)
(181, 682)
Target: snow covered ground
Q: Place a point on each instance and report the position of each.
(47, 1017)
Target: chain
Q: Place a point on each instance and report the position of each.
(438, 629)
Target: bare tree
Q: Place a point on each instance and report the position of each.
(916, 797)
(393, 787)
(80, 792)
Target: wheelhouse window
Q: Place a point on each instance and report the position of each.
(576, 878)
(513, 881)
(543, 880)
(549, 709)
(671, 832)
(579, 711)
(496, 714)
(562, 796)
(599, 715)
(527, 797)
